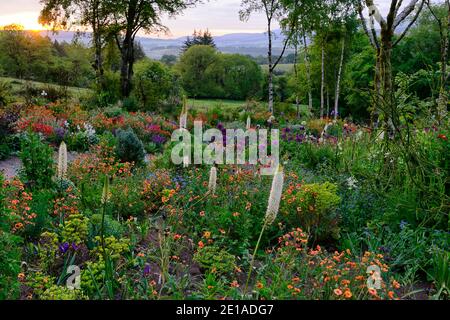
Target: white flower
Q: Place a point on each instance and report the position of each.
(212, 180)
(43, 93)
(275, 196)
(352, 183)
(62, 161)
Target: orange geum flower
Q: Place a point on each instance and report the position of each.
(395, 284)
(337, 292)
(372, 292)
(348, 294)
(177, 237)
(345, 282)
(207, 234)
(259, 285)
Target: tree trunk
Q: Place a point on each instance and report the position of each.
(328, 102)
(338, 82)
(297, 99)
(269, 56)
(308, 74)
(97, 42)
(127, 51)
(387, 95)
(126, 70)
(443, 93)
(322, 85)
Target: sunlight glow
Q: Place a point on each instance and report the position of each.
(29, 20)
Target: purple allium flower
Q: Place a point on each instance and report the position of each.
(60, 133)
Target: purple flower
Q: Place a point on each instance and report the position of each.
(63, 247)
(74, 246)
(158, 139)
(146, 270)
(60, 133)
(299, 138)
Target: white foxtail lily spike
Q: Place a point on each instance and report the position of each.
(212, 180)
(106, 193)
(183, 116)
(62, 161)
(275, 196)
(249, 123)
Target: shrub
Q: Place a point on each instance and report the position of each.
(313, 273)
(9, 265)
(215, 260)
(155, 85)
(9, 252)
(37, 159)
(75, 229)
(313, 207)
(129, 147)
(5, 93)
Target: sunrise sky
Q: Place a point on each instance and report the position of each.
(219, 16)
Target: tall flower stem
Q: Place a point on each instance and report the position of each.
(254, 256)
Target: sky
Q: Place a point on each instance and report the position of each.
(219, 16)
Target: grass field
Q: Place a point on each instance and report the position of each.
(18, 84)
(281, 68)
(207, 104)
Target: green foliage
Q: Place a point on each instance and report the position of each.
(56, 292)
(112, 227)
(75, 229)
(9, 265)
(37, 159)
(206, 73)
(313, 208)
(28, 55)
(155, 84)
(129, 147)
(5, 93)
(215, 260)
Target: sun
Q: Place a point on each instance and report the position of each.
(29, 20)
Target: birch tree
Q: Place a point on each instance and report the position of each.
(273, 11)
(443, 23)
(384, 45)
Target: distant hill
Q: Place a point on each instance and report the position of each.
(254, 44)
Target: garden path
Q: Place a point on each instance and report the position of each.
(12, 165)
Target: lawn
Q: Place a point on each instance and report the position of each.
(19, 84)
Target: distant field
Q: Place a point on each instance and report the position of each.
(17, 85)
(284, 68)
(205, 104)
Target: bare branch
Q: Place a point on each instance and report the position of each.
(406, 12)
(411, 23)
